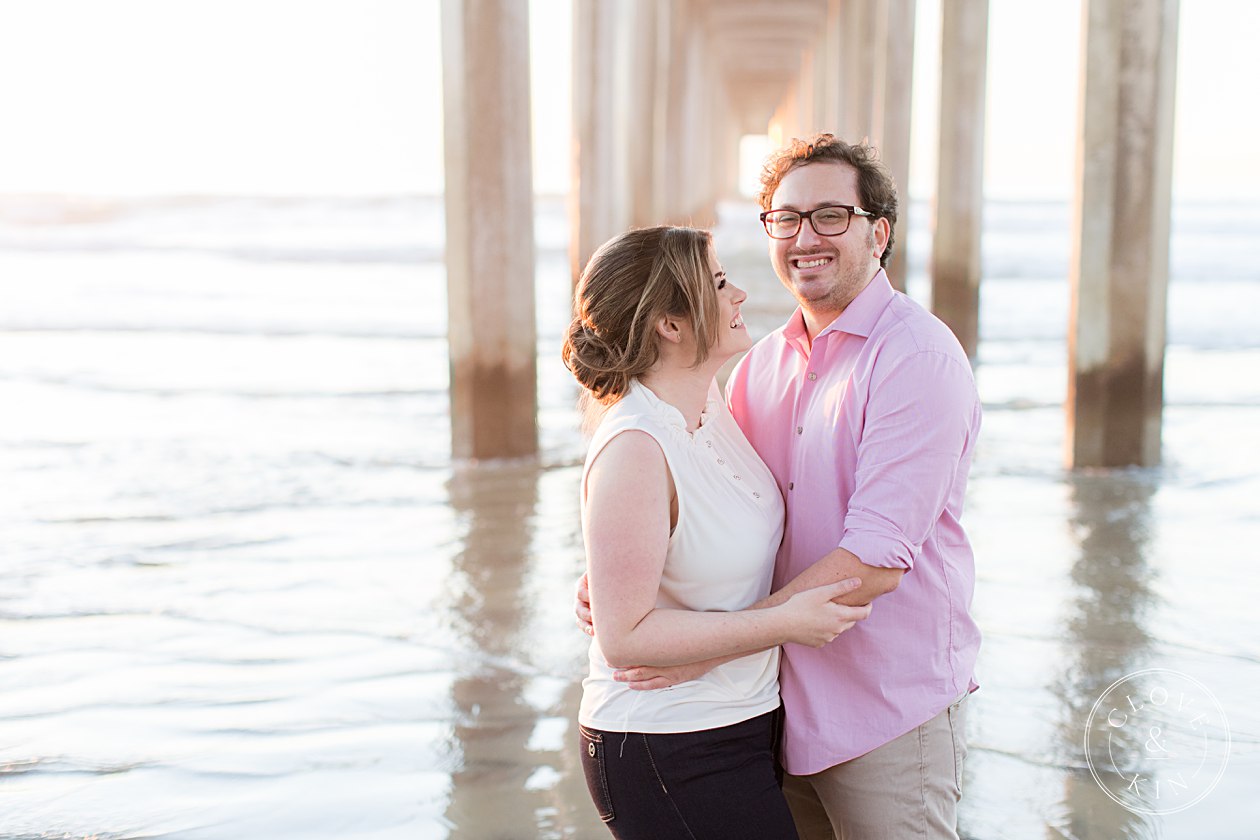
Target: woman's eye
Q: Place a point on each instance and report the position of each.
(721, 285)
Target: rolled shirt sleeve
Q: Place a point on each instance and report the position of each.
(919, 417)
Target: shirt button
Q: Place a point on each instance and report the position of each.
(791, 485)
(812, 376)
(800, 429)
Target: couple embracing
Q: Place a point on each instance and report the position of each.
(777, 579)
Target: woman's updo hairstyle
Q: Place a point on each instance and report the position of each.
(632, 281)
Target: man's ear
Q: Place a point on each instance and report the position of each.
(668, 328)
(883, 232)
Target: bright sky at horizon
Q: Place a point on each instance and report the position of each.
(293, 97)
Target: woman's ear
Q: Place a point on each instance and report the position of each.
(669, 329)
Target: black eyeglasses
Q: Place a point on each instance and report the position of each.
(831, 220)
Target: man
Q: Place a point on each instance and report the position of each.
(865, 409)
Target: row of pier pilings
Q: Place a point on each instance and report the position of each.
(663, 90)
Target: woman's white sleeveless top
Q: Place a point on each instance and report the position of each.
(720, 557)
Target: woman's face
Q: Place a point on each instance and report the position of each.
(732, 337)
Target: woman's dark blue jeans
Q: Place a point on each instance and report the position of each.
(716, 783)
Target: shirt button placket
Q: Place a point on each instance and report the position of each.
(800, 430)
(722, 462)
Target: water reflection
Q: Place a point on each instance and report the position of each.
(1107, 628)
(490, 609)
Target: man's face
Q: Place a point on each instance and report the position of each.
(825, 273)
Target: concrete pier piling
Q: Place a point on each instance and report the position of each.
(489, 228)
(1122, 216)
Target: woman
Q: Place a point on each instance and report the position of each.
(681, 522)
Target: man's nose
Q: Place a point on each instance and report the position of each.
(807, 236)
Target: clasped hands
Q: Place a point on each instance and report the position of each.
(645, 677)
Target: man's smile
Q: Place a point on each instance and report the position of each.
(813, 261)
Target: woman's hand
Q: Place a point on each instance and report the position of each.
(812, 618)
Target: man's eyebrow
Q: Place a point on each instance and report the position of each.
(795, 209)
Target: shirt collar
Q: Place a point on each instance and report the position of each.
(795, 330)
(668, 413)
(862, 313)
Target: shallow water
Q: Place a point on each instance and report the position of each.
(245, 593)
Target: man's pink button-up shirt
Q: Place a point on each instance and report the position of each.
(869, 434)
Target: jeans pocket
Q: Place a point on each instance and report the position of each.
(592, 742)
(958, 733)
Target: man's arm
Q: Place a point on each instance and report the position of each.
(836, 566)
(918, 421)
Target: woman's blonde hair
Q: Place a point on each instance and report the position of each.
(631, 282)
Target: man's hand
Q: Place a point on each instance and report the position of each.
(582, 609)
(646, 678)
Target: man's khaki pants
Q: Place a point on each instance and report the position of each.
(908, 788)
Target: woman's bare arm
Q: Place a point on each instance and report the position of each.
(628, 497)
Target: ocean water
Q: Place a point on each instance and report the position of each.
(245, 593)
